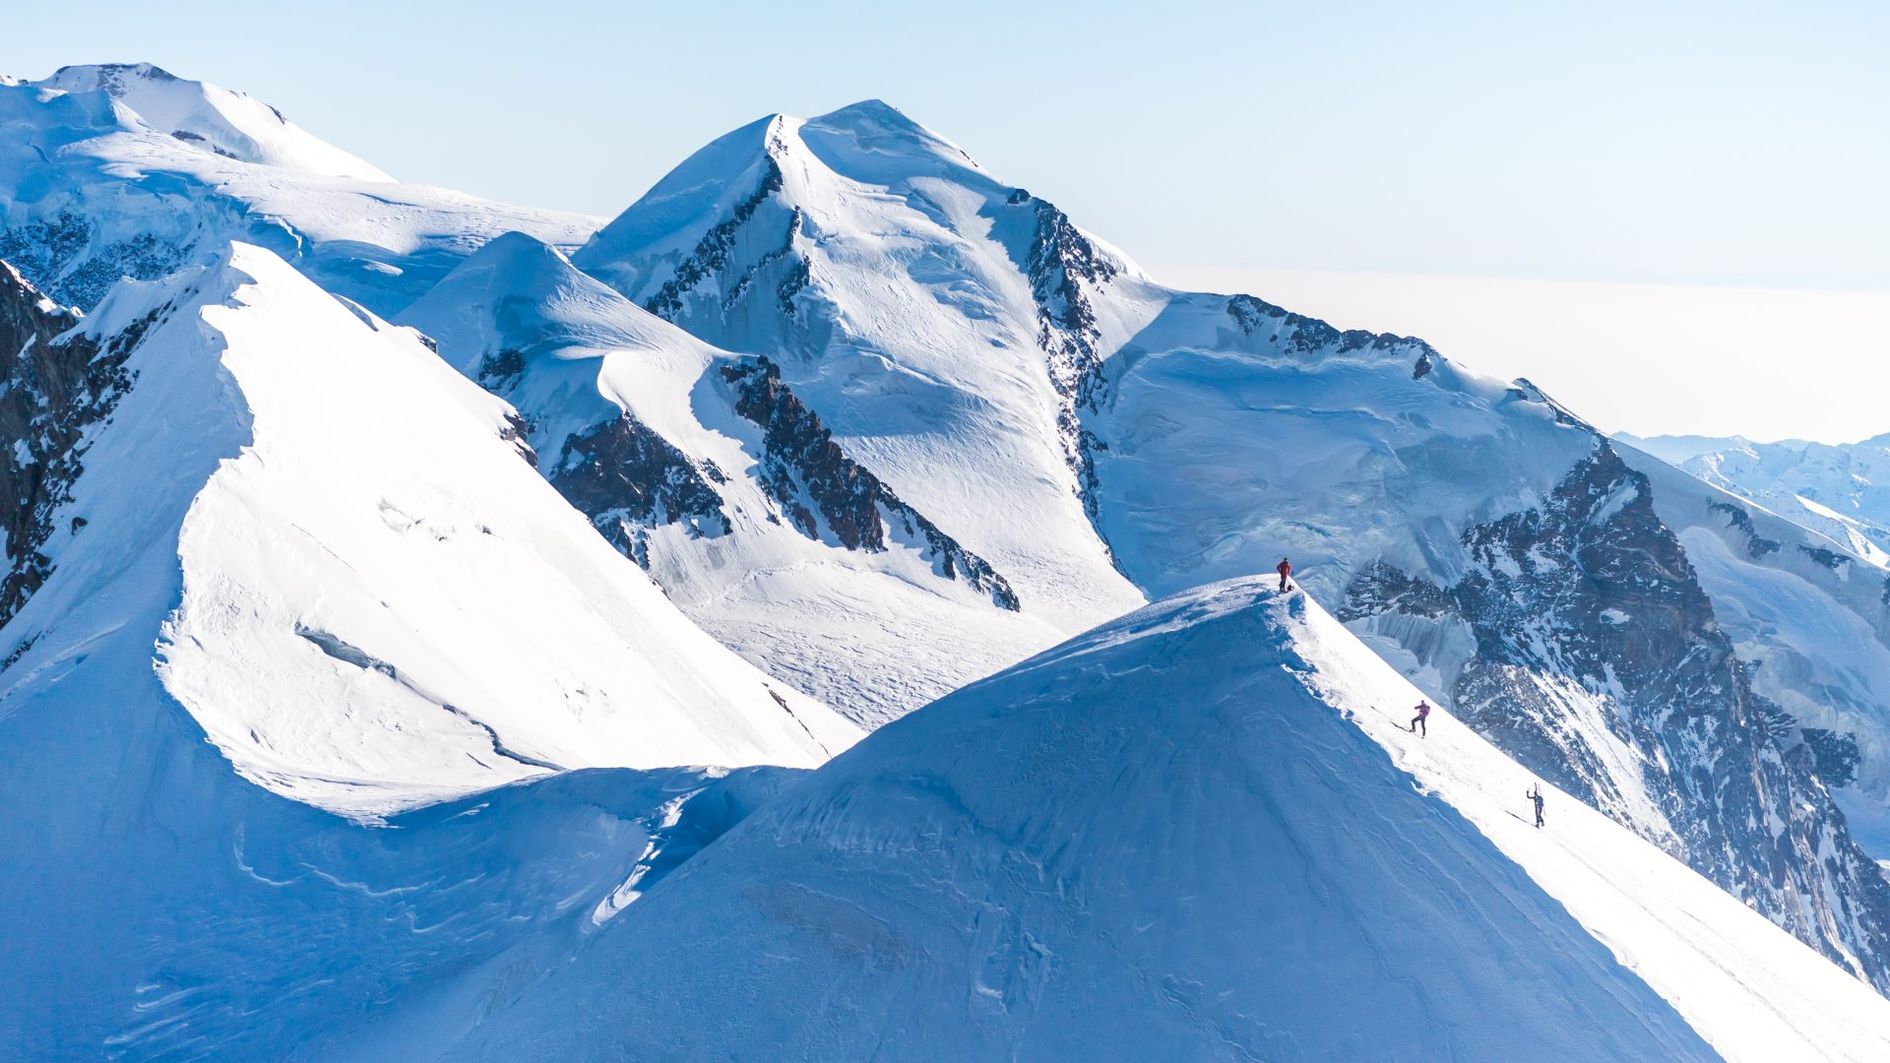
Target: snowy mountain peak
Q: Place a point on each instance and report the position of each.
(127, 170)
(876, 128)
(212, 119)
(519, 296)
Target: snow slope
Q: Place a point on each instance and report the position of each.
(1097, 437)
(383, 603)
(1196, 832)
(634, 420)
(126, 170)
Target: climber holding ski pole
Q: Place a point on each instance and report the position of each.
(1418, 726)
(1535, 795)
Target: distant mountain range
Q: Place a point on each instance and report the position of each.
(1841, 490)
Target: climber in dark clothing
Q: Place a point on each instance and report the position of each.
(1418, 726)
(1535, 795)
(1285, 569)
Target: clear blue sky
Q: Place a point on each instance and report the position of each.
(1704, 143)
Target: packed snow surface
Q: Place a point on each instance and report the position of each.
(1201, 831)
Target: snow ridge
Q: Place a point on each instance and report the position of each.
(994, 876)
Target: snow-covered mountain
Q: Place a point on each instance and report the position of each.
(382, 603)
(710, 472)
(127, 170)
(902, 291)
(1840, 490)
(1096, 437)
(1194, 833)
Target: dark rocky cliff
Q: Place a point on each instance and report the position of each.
(1591, 590)
(828, 496)
(55, 383)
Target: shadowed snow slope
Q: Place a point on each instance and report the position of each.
(747, 514)
(1192, 833)
(126, 170)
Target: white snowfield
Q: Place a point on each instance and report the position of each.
(872, 633)
(150, 166)
(383, 602)
(1200, 831)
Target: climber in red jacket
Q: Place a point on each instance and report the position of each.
(1285, 569)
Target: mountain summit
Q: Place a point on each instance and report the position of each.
(126, 170)
(212, 119)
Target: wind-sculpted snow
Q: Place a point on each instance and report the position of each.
(730, 489)
(127, 171)
(1193, 833)
(158, 907)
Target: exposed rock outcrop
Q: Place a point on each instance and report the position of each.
(54, 385)
(627, 478)
(828, 496)
(1598, 663)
